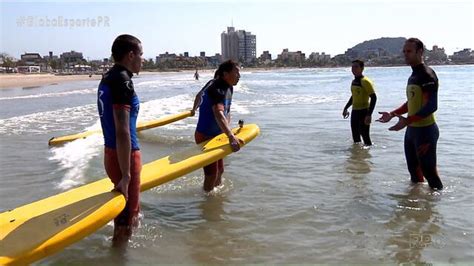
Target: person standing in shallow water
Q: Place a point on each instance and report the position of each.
(362, 88)
(214, 101)
(118, 106)
(196, 75)
(421, 136)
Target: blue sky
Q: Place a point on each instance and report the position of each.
(329, 26)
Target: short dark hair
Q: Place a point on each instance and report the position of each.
(359, 62)
(226, 66)
(418, 43)
(123, 44)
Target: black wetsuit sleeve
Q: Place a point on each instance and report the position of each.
(428, 81)
(373, 101)
(348, 104)
(430, 95)
(122, 89)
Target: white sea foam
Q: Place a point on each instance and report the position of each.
(243, 88)
(282, 99)
(43, 122)
(239, 108)
(74, 158)
(73, 118)
(165, 106)
(162, 83)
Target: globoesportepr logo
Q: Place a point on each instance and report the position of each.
(426, 240)
(62, 22)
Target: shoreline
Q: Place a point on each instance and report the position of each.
(30, 81)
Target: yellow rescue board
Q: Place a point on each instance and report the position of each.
(34, 231)
(140, 126)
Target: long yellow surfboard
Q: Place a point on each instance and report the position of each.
(140, 126)
(34, 231)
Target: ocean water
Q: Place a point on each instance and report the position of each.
(301, 192)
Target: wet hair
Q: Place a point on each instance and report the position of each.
(226, 66)
(123, 44)
(359, 62)
(419, 44)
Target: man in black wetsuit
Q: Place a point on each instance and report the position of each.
(363, 99)
(422, 132)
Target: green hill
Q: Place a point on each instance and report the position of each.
(391, 46)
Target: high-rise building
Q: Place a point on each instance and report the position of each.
(240, 46)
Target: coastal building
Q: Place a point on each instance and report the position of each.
(32, 63)
(51, 62)
(436, 56)
(266, 55)
(105, 65)
(165, 57)
(31, 59)
(28, 69)
(240, 46)
(214, 60)
(265, 58)
(69, 59)
(366, 53)
(288, 58)
(318, 58)
(465, 56)
(184, 61)
(50, 57)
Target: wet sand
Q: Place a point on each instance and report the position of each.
(35, 80)
(27, 81)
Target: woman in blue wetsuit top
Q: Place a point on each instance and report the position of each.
(214, 101)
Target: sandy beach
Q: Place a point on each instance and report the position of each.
(34, 80)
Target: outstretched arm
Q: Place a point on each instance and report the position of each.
(387, 116)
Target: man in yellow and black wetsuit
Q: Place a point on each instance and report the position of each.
(361, 116)
(422, 133)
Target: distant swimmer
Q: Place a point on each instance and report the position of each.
(196, 75)
(214, 102)
(118, 107)
(362, 88)
(421, 136)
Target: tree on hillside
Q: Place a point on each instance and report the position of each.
(148, 64)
